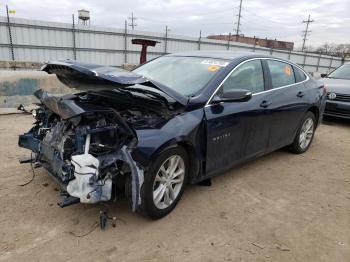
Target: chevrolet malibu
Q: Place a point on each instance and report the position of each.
(178, 119)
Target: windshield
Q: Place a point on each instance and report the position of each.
(342, 72)
(185, 75)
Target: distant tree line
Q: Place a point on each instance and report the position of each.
(340, 50)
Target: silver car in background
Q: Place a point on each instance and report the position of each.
(337, 84)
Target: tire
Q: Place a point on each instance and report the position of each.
(300, 145)
(157, 198)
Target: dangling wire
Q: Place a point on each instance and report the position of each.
(31, 166)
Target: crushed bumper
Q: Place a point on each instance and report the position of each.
(64, 174)
(46, 156)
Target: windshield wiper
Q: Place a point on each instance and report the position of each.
(122, 90)
(146, 92)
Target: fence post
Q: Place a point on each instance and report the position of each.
(125, 42)
(10, 35)
(330, 64)
(74, 46)
(271, 49)
(199, 40)
(318, 62)
(304, 59)
(254, 44)
(343, 59)
(166, 40)
(289, 54)
(228, 41)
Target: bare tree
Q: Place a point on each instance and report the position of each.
(341, 50)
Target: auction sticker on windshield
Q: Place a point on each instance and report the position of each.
(213, 68)
(214, 63)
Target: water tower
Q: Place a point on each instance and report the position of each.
(84, 16)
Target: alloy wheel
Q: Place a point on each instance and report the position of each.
(168, 181)
(306, 133)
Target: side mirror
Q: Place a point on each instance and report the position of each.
(323, 75)
(235, 95)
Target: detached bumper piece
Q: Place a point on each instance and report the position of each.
(67, 201)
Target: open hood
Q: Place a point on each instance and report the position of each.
(96, 77)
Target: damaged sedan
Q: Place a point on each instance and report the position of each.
(177, 119)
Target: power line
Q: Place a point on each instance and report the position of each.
(132, 21)
(239, 19)
(306, 31)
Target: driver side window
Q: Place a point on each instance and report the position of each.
(248, 76)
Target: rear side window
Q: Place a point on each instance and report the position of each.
(299, 75)
(248, 76)
(281, 73)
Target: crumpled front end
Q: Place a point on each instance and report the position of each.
(86, 149)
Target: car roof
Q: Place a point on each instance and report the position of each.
(228, 55)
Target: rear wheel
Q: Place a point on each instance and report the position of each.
(305, 134)
(164, 183)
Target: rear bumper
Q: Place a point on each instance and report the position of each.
(337, 109)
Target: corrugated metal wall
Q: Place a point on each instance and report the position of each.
(40, 41)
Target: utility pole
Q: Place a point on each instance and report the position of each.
(10, 34)
(306, 31)
(166, 40)
(74, 42)
(239, 20)
(132, 21)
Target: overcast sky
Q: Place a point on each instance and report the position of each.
(263, 18)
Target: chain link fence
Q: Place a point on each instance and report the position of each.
(23, 41)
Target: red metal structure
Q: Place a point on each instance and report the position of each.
(145, 43)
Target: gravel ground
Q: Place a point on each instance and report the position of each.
(281, 207)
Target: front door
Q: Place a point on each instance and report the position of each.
(237, 131)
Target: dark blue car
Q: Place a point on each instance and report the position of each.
(181, 118)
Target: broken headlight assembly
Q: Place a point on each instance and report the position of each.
(38, 113)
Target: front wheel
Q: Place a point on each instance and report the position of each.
(164, 183)
(305, 134)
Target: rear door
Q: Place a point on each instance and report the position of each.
(237, 130)
(288, 101)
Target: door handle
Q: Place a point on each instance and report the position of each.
(300, 94)
(265, 104)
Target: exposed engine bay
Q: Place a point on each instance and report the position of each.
(86, 146)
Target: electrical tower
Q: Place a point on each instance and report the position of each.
(132, 21)
(239, 19)
(306, 31)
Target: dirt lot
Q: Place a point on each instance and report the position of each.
(281, 207)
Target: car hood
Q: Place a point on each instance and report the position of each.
(341, 86)
(97, 77)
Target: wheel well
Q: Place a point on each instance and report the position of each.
(316, 113)
(194, 163)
